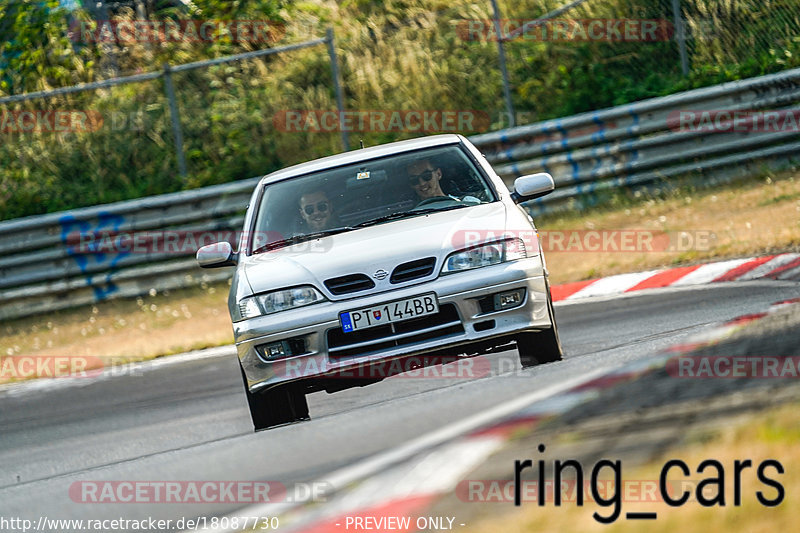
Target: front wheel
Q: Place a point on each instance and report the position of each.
(542, 346)
(276, 406)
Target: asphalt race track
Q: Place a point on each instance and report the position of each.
(189, 421)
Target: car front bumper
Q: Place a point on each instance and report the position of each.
(459, 296)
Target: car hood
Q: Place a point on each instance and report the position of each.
(381, 247)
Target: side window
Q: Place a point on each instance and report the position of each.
(277, 216)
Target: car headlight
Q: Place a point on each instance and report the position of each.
(276, 301)
(485, 255)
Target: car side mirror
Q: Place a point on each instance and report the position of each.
(215, 255)
(532, 186)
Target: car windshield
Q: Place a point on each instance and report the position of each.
(367, 193)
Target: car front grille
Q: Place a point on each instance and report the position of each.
(445, 323)
(413, 270)
(349, 283)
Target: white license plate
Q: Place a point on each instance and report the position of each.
(396, 311)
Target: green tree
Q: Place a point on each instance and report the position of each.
(36, 52)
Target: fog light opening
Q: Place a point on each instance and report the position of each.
(275, 350)
(506, 300)
(282, 349)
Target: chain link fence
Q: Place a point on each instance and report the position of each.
(119, 142)
(586, 55)
(179, 127)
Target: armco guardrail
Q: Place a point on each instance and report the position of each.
(642, 144)
(45, 262)
(43, 268)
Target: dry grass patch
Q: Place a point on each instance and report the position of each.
(130, 329)
(752, 218)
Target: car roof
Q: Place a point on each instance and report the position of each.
(354, 156)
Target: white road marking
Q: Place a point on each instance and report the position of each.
(710, 272)
(612, 284)
(38, 386)
(769, 266)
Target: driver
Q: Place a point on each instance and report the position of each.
(425, 179)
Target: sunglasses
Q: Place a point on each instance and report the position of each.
(425, 176)
(321, 207)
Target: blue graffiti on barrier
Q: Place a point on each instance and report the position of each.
(92, 264)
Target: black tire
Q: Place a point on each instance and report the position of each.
(276, 406)
(541, 347)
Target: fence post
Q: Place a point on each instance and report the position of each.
(680, 35)
(339, 100)
(176, 120)
(503, 69)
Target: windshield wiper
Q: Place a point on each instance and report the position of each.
(407, 214)
(296, 239)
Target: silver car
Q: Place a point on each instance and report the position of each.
(412, 253)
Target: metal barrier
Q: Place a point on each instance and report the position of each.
(642, 145)
(43, 266)
(46, 262)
